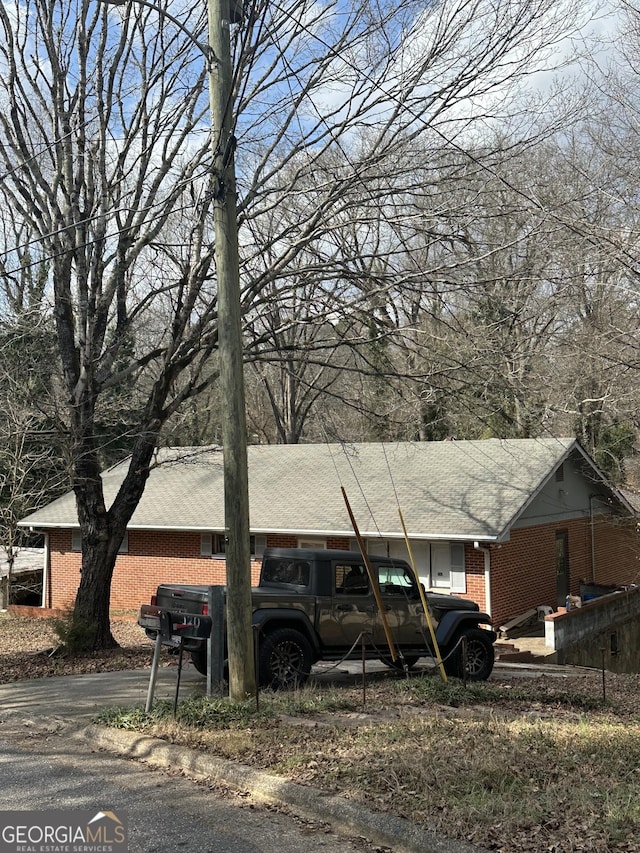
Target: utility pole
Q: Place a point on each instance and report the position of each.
(230, 355)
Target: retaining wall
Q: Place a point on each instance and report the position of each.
(604, 632)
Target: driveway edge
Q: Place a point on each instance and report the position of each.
(350, 817)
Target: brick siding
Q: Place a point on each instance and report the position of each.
(474, 569)
(523, 570)
(152, 557)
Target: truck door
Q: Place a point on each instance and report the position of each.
(402, 606)
(353, 609)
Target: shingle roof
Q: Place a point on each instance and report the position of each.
(446, 489)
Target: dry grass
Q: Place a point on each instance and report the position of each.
(520, 767)
(536, 765)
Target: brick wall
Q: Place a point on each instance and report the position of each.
(281, 541)
(474, 569)
(153, 557)
(523, 570)
(617, 552)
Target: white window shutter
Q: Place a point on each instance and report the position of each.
(206, 544)
(76, 540)
(458, 574)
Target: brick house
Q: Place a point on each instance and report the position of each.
(512, 524)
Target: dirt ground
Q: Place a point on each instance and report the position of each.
(30, 648)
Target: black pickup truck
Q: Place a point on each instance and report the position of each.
(314, 605)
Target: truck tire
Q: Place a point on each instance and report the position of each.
(284, 659)
(480, 656)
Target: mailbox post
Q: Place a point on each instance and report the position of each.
(215, 643)
(173, 629)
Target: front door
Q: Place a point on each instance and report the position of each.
(562, 567)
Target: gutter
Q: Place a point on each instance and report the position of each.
(263, 531)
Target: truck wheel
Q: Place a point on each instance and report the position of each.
(409, 661)
(480, 656)
(284, 659)
(199, 660)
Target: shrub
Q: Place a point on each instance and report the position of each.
(76, 635)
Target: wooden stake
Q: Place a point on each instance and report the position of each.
(373, 578)
(423, 598)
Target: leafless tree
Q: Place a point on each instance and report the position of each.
(106, 156)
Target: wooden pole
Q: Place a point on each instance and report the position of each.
(230, 357)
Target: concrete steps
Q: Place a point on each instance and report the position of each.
(525, 649)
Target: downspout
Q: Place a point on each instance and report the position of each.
(46, 574)
(487, 575)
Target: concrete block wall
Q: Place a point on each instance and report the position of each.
(606, 631)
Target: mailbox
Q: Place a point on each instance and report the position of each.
(149, 617)
(174, 627)
(184, 625)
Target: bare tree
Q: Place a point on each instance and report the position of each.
(106, 157)
(102, 144)
(32, 467)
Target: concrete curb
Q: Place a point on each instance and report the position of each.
(350, 817)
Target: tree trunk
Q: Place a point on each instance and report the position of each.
(103, 530)
(92, 601)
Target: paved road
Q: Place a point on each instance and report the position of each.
(165, 813)
(42, 766)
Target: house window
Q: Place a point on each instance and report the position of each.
(458, 574)
(378, 547)
(216, 543)
(206, 544)
(312, 543)
(560, 473)
(76, 542)
(447, 566)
